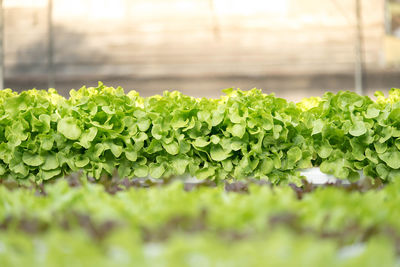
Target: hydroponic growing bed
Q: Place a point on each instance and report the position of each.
(107, 178)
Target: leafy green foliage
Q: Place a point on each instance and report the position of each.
(352, 133)
(243, 134)
(169, 226)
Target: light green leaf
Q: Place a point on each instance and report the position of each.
(227, 165)
(139, 137)
(358, 149)
(267, 123)
(205, 173)
(382, 171)
(215, 139)
(69, 128)
(116, 149)
(324, 150)
(294, 154)
(82, 162)
(267, 165)
(131, 155)
(372, 112)
(238, 130)
(107, 110)
(318, 125)
(200, 142)
(143, 124)
(98, 149)
(179, 122)
(172, 148)
(32, 159)
(358, 128)
(154, 147)
(395, 114)
(88, 136)
(46, 142)
(380, 147)
(141, 171)
(236, 145)
(387, 132)
(20, 168)
(180, 164)
(371, 155)
(391, 157)
(46, 175)
(124, 169)
(156, 170)
(217, 153)
(45, 119)
(217, 118)
(336, 168)
(236, 118)
(50, 163)
(203, 115)
(2, 170)
(156, 131)
(276, 131)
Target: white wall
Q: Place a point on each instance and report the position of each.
(191, 37)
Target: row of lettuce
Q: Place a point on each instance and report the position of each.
(102, 130)
(167, 226)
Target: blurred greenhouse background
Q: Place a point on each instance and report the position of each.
(295, 48)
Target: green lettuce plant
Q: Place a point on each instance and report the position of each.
(243, 134)
(85, 225)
